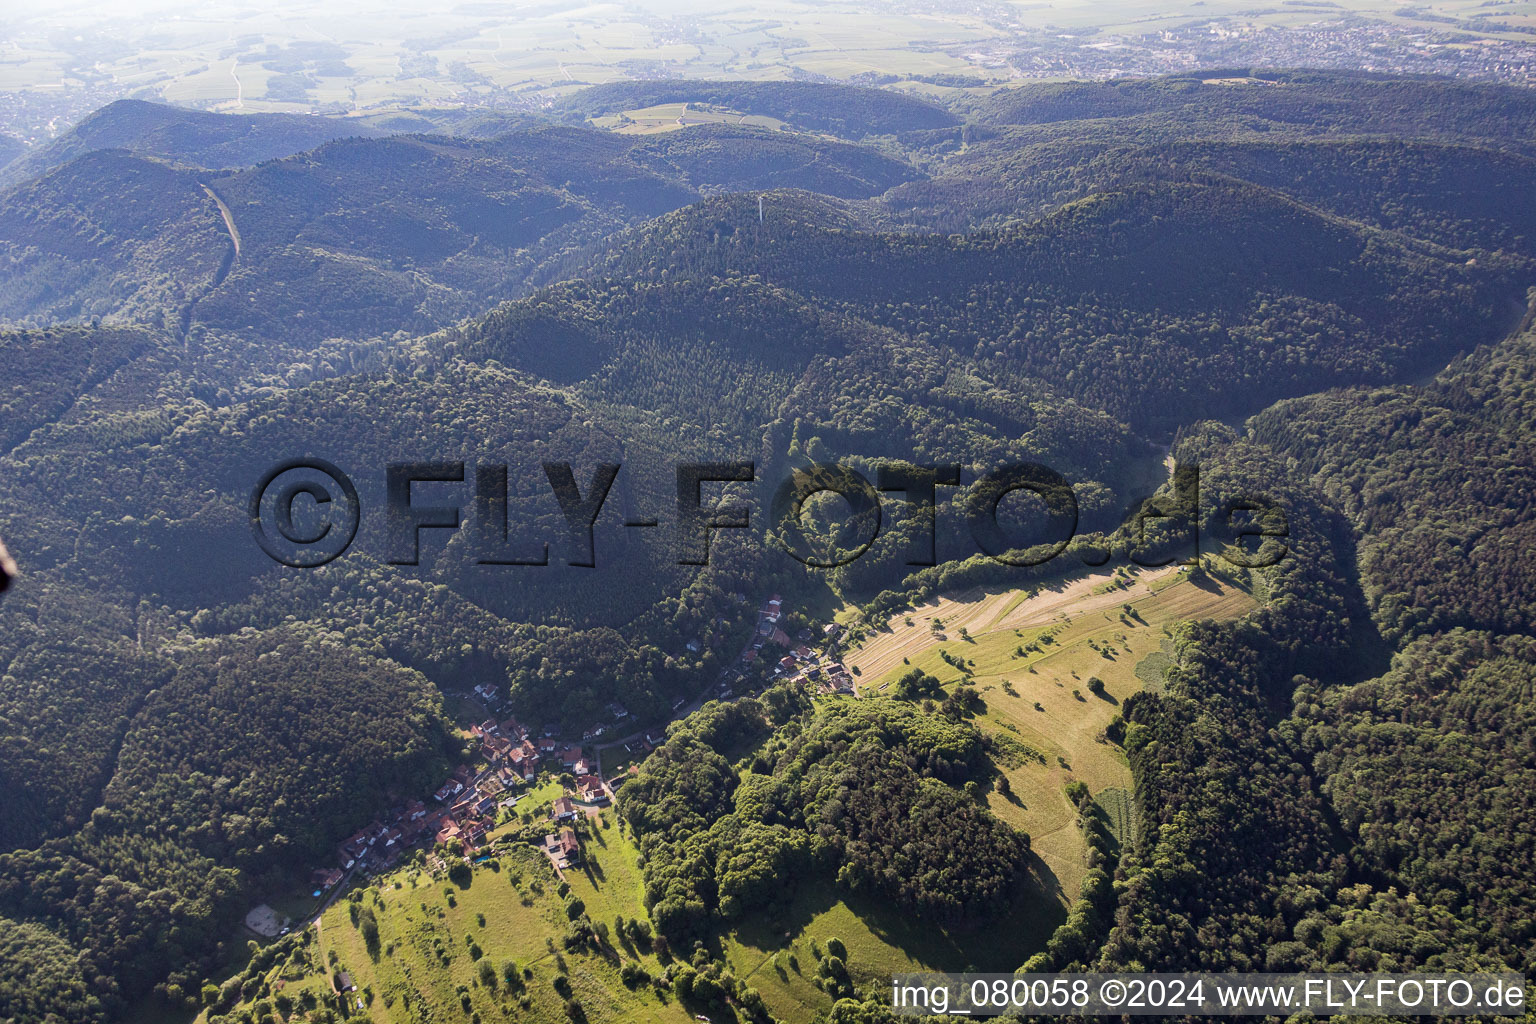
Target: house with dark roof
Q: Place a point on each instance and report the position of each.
(570, 846)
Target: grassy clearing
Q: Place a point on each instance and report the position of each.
(609, 881)
(433, 936)
(1032, 655)
(535, 802)
(777, 952)
(670, 117)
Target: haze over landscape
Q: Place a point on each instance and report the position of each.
(413, 616)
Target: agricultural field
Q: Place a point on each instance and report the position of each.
(349, 57)
(1033, 655)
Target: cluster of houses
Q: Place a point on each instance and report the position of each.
(467, 803)
(515, 756)
(821, 668)
(489, 693)
(823, 671)
(379, 845)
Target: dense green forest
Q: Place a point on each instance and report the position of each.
(1444, 502)
(845, 111)
(876, 795)
(231, 759)
(1310, 287)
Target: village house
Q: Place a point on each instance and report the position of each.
(486, 692)
(563, 809)
(524, 764)
(591, 789)
(347, 855)
(570, 847)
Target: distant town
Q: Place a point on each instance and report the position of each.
(1339, 41)
(1413, 41)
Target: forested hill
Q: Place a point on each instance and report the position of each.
(1304, 103)
(10, 148)
(1433, 158)
(1079, 275)
(193, 137)
(1153, 302)
(845, 111)
(415, 231)
(1444, 500)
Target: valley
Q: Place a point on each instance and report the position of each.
(493, 931)
(1302, 282)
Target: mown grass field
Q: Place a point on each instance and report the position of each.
(1031, 655)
